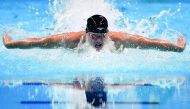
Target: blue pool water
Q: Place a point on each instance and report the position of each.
(168, 72)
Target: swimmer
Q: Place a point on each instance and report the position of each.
(95, 34)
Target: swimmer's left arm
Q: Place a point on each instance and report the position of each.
(162, 45)
(134, 41)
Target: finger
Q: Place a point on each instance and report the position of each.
(183, 38)
(5, 33)
(178, 41)
(184, 41)
(3, 39)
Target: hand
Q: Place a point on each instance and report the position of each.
(6, 39)
(181, 42)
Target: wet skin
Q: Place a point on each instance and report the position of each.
(71, 40)
(97, 40)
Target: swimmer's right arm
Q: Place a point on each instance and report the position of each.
(44, 42)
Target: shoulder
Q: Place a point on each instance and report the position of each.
(77, 33)
(74, 36)
(118, 36)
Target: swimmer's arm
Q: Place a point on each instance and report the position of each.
(141, 42)
(44, 42)
(163, 45)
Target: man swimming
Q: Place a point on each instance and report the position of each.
(95, 34)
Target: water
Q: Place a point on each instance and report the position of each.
(165, 20)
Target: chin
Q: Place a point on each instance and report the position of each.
(98, 49)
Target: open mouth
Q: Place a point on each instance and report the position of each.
(98, 45)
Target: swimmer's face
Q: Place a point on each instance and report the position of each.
(96, 40)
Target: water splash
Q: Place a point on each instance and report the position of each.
(129, 66)
(67, 18)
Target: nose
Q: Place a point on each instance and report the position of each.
(98, 40)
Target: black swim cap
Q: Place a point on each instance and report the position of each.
(97, 24)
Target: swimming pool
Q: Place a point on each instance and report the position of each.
(154, 19)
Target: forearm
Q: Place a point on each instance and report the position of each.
(159, 44)
(26, 43)
(46, 42)
(147, 43)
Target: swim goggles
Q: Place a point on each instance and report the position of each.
(96, 35)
